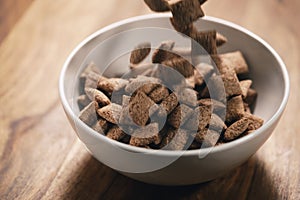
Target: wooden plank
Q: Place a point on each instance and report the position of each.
(40, 156)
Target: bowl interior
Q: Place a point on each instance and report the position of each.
(111, 47)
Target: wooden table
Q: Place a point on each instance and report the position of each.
(40, 156)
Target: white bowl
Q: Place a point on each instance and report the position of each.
(268, 73)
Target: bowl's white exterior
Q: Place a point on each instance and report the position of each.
(270, 80)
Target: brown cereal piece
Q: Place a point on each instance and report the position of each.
(231, 83)
(202, 71)
(140, 52)
(163, 52)
(245, 86)
(205, 40)
(110, 85)
(216, 88)
(143, 84)
(186, 29)
(176, 139)
(185, 11)
(199, 119)
(187, 96)
(182, 65)
(254, 121)
(110, 112)
(139, 108)
(83, 101)
(217, 106)
(236, 129)
(159, 93)
(158, 5)
(115, 133)
(220, 39)
(101, 126)
(235, 109)
(251, 96)
(146, 135)
(234, 60)
(168, 104)
(96, 95)
(207, 137)
(216, 123)
(179, 115)
(88, 115)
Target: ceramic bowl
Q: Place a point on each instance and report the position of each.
(110, 46)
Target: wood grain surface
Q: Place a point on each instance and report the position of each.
(10, 12)
(40, 156)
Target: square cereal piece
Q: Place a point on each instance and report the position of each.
(146, 135)
(185, 11)
(231, 83)
(186, 29)
(139, 107)
(236, 129)
(110, 112)
(96, 95)
(115, 133)
(88, 115)
(159, 93)
(234, 60)
(235, 109)
(179, 115)
(204, 43)
(183, 66)
(176, 139)
(140, 52)
(254, 122)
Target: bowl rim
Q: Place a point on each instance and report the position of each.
(215, 149)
